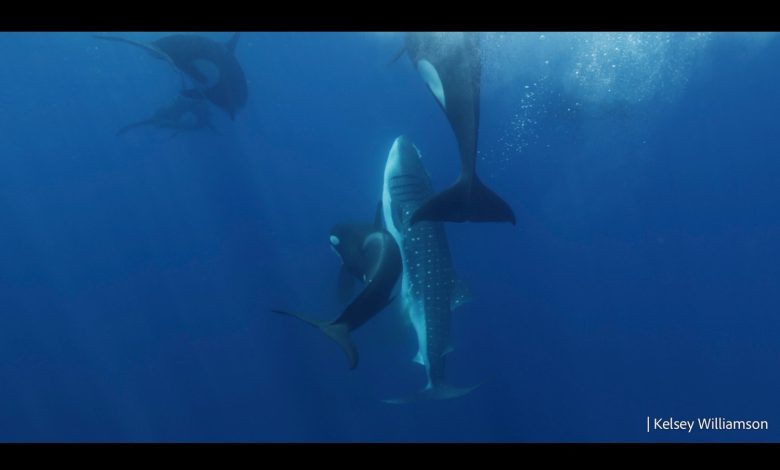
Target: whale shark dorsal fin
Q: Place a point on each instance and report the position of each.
(459, 293)
(230, 45)
(431, 78)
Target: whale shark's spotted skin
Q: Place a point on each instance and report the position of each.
(429, 287)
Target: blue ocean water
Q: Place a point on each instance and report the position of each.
(137, 273)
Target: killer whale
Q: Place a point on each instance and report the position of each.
(373, 255)
(450, 64)
(346, 240)
(212, 65)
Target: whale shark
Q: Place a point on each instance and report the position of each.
(450, 64)
(212, 65)
(181, 114)
(374, 257)
(430, 290)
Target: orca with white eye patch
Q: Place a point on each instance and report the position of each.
(370, 254)
(212, 65)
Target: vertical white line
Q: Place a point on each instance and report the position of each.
(648, 424)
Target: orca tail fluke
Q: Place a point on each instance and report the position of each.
(338, 332)
(465, 201)
(437, 392)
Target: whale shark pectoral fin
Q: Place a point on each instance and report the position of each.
(346, 285)
(438, 392)
(460, 294)
(431, 78)
(464, 202)
(338, 332)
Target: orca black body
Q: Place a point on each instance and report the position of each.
(346, 240)
(451, 65)
(371, 255)
(212, 65)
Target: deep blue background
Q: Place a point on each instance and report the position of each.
(137, 273)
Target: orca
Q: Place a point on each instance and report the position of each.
(346, 240)
(374, 257)
(450, 64)
(212, 65)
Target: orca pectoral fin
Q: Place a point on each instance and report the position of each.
(338, 332)
(439, 392)
(150, 48)
(464, 202)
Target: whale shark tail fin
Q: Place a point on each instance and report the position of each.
(465, 202)
(436, 392)
(338, 332)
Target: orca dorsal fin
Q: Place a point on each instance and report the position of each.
(231, 43)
